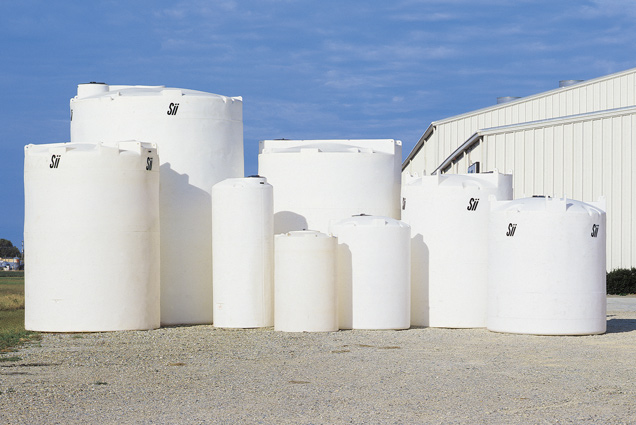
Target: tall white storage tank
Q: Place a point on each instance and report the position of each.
(316, 181)
(305, 282)
(91, 233)
(547, 267)
(448, 215)
(243, 253)
(199, 138)
(374, 276)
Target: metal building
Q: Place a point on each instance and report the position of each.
(577, 141)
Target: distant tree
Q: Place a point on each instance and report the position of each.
(7, 250)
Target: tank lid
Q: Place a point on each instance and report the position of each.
(257, 178)
(91, 89)
(548, 204)
(461, 181)
(351, 146)
(303, 234)
(103, 89)
(129, 146)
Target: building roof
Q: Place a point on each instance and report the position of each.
(533, 125)
(431, 128)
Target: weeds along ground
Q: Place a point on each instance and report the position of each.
(12, 332)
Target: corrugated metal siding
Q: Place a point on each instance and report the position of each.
(578, 157)
(609, 92)
(582, 160)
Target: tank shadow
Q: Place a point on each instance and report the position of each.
(621, 325)
(288, 221)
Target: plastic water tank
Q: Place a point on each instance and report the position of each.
(317, 181)
(243, 253)
(91, 234)
(374, 276)
(448, 215)
(305, 282)
(199, 138)
(547, 267)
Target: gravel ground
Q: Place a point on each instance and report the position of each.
(199, 374)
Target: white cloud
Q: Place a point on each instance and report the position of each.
(194, 8)
(345, 80)
(425, 17)
(609, 8)
(173, 13)
(398, 51)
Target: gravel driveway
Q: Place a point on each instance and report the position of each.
(199, 374)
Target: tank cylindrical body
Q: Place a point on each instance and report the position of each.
(305, 282)
(547, 267)
(317, 181)
(448, 215)
(243, 253)
(199, 138)
(91, 231)
(373, 270)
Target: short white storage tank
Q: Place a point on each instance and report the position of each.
(243, 253)
(305, 282)
(547, 267)
(448, 215)
(316, 181)
(199, 138)
(91, 234)
(374, 276)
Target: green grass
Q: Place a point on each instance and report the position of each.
(17, 273)
(11, 292)
(12, 332)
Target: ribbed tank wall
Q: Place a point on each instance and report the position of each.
(317, 181)
(448, 215)
(547, 267)
(91, 237)
(305, 282)
(243, 253)
(374, 279)
(199, 137)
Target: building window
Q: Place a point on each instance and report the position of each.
(474, 168)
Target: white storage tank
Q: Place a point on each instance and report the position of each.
(547, 267)
(305, 282)
(243, 253)
(91, 234)
(199, 138)
(317, 181)
(448, 215)
(373, 269)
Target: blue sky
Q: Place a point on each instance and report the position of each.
(305, 69)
